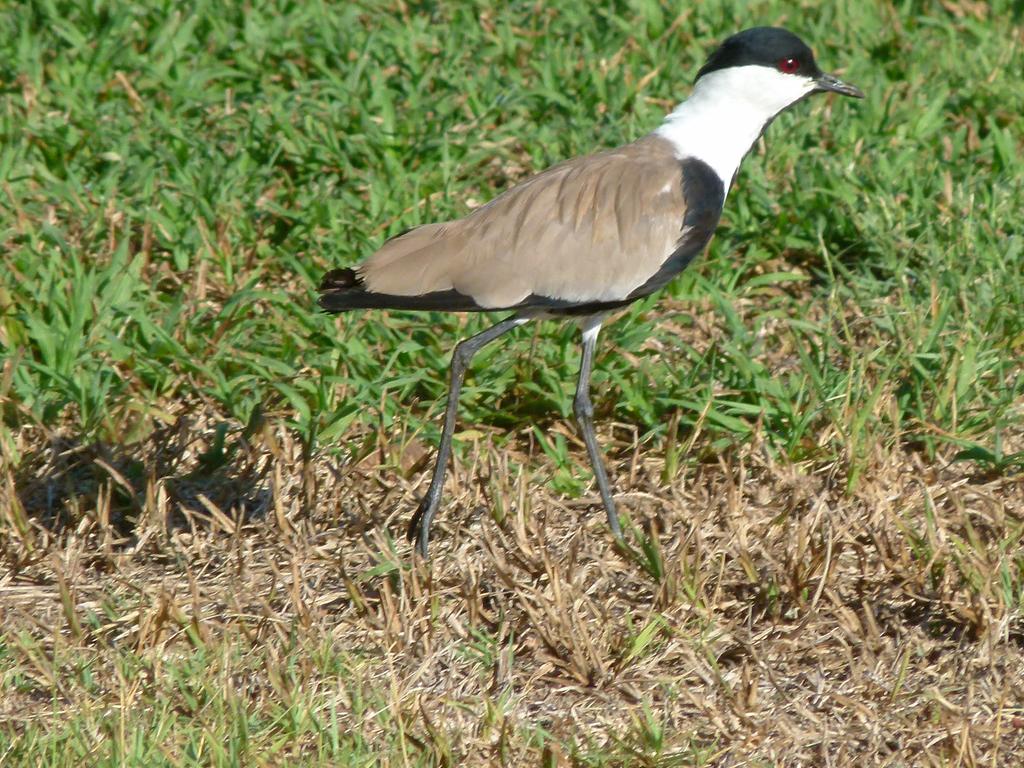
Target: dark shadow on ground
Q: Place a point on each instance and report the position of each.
(178, 473)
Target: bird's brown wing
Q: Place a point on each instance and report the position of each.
(593, 230)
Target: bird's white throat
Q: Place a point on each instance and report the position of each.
(727, 111)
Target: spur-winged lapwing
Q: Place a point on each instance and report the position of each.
(590, 235)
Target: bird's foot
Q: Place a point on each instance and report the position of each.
(613, 522)
(419, 527)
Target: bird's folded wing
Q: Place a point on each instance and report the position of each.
(593, 229)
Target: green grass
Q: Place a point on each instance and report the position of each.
(174, 180)
(177, 181)
(196, 707)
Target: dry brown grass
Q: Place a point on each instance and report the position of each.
(791, 623)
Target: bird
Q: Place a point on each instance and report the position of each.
(590, 235)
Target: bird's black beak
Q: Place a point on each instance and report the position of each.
(827, 82)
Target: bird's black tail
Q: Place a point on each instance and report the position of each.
(341, 290)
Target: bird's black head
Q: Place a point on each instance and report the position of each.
(778, 49)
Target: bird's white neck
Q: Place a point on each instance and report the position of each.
(726, 112)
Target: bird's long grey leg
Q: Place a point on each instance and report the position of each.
(584, 411)
(419, 526)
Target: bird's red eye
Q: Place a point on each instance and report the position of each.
(789, 66)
